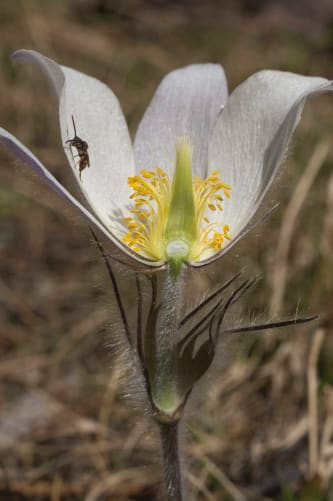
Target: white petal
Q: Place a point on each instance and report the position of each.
(100, 122)
(187, 102)
(251, 137)
(50, 68)
(20, 151)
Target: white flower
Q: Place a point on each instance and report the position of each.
(144, 198)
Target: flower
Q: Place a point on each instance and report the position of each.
(201, 162)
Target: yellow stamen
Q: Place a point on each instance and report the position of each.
(156, 222)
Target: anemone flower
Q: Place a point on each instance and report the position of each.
(163, 200)
(180, 198)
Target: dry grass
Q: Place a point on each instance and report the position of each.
(265, 430)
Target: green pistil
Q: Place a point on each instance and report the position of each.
(180, 231)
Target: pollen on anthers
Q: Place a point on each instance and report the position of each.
(176, 219)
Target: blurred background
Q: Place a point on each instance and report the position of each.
(264, 430)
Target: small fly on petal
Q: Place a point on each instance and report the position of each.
(82, 150)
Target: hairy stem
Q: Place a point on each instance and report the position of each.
(164, 384)
(171, 461)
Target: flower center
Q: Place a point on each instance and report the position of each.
(174, 221)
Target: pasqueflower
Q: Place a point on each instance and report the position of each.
(200, 165)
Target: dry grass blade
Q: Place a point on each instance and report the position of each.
(279, 276)
(222, 478)
(44, 489)
(317, 343)
(325, 467)
(56, 489)
(326, 238)
(200, 487)
(125, 482)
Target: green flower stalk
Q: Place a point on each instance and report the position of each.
(177, 200)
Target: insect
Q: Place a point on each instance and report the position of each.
(82, 150)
